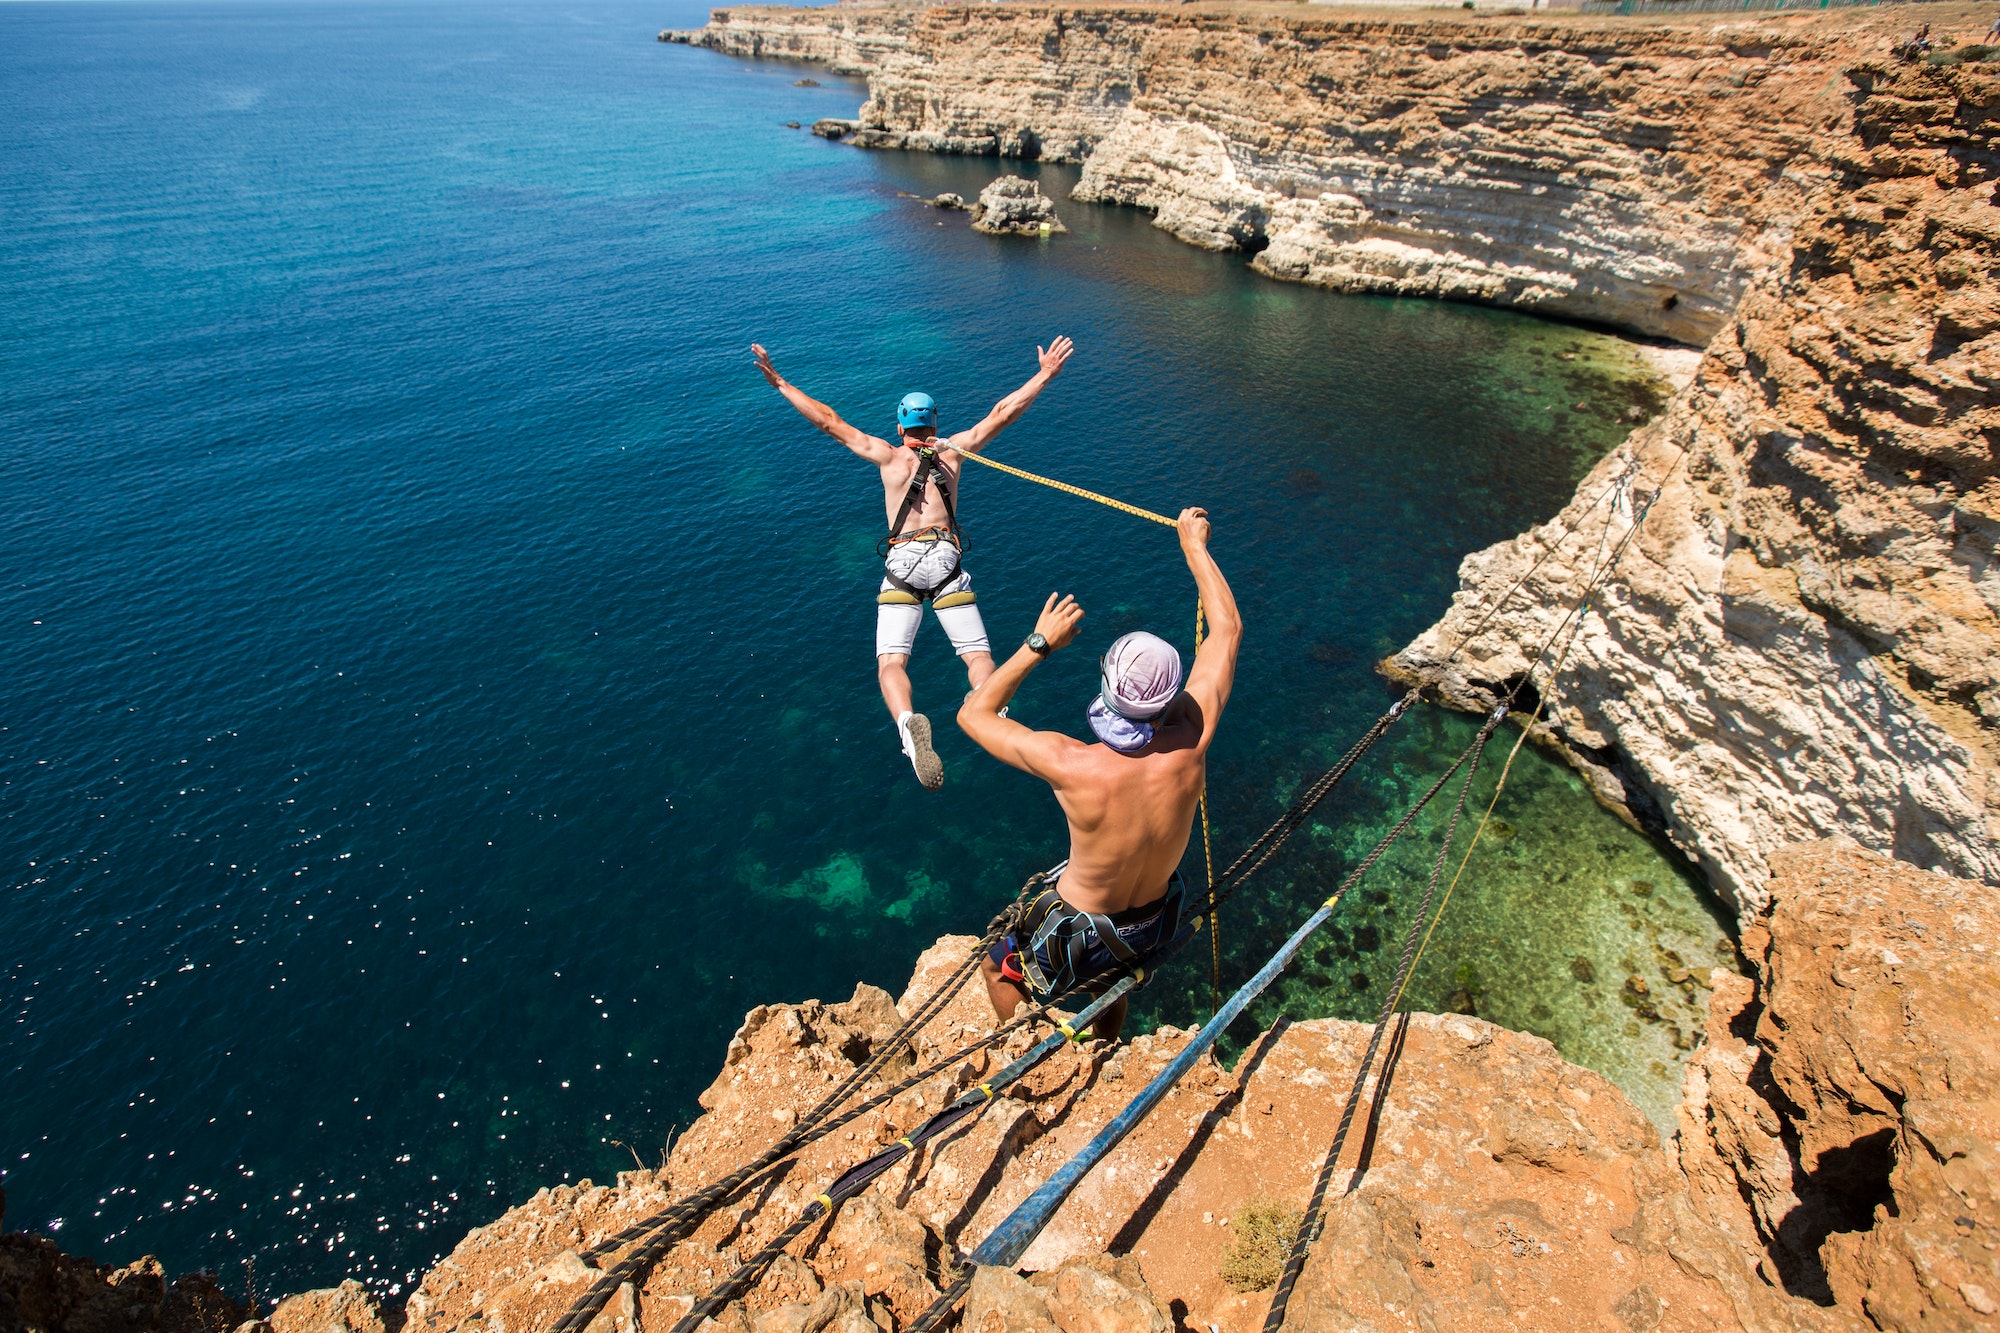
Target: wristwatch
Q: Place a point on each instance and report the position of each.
(1036, 644)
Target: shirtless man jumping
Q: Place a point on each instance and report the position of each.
(921, 553)
(1130, 800)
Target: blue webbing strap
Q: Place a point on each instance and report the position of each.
(1006, 1243)
(1010, 1240)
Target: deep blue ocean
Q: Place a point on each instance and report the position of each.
(439, 673)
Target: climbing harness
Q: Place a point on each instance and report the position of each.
(901, 592)
(1055, 943)
(928, 470)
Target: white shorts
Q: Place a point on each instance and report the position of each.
(921, 565)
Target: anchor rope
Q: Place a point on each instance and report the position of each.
(1313, 1222)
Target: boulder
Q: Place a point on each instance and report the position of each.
(347, 1308)
(1013, 206)
(832, 127)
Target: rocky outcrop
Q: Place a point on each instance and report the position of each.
(347, 1308)
(43, 1290)
(1013, 206)
(1835, 1165)
(1841, 1126)
(1802, 639)
(847, 40)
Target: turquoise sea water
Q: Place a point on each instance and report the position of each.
(440, 688)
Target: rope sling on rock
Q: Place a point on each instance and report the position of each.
(665, 1228)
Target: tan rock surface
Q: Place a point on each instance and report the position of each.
(1837, 1144)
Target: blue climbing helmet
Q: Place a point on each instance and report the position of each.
(916, 412)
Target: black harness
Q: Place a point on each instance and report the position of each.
(928, 468)
(1049, 927)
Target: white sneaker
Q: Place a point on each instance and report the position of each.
(916, 732)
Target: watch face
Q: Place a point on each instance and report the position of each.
(1037, 643)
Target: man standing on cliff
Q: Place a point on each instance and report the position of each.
(1130, 799)
(922, 551)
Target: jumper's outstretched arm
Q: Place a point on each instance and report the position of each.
(1008, 409)
(877, 451)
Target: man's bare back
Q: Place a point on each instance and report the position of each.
(1131, 807)
(1130, 816)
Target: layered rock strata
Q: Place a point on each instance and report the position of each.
(1639, 174)
(1835, 1165)
(1802, 638)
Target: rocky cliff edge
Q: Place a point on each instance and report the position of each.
(1835, 1166)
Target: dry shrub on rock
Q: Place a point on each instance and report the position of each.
(1264, 1230)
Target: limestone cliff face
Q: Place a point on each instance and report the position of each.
(1802, 639)
(1834, 1167)
(847, 41)
(1634, 174)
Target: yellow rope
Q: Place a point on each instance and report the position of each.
(1499, 787)
(1208, 860)
(1064, 486)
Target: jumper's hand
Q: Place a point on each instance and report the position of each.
(1059, 620)
(764, 366)
(1057, 353)
(1193, 527)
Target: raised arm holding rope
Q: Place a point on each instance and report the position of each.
(923, 551)
(1130, 801)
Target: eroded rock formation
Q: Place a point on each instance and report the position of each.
(1011, 206)
(1801, 640)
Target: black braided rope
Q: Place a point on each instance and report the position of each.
(1309, 1228)
(660, 1231)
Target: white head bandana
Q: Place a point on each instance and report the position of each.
(1141, 676)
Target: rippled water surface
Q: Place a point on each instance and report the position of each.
(440, 694)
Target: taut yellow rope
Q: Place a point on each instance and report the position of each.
(1208, 860)
(1065, 487)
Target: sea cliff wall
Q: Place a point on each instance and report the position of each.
(1631, 173)
(1802, 638)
